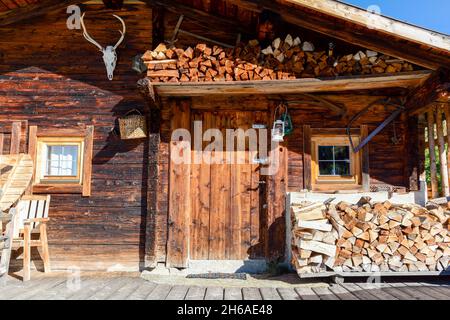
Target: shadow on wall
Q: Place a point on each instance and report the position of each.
(52, 100)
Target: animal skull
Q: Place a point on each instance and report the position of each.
(109, 53)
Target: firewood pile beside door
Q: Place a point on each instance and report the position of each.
(370, 237)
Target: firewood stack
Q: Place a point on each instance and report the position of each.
(370, 237)
(284, 59)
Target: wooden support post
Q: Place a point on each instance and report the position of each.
(276, 201)
(442, 154)
(2, 139)
(44, 246)
(307, 183)
(88, 155)
(431, 147)
(16, 132)
(26, 251)
(421, 146)
(412, 161)
(446, 109)
(365, 160)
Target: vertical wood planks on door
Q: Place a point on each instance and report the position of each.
(200, 185)
(179, 193)
(220, 199)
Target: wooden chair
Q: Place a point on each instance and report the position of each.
(32, 218)
(6, 239)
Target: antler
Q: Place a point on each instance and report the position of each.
(87, 36)
(121, 32)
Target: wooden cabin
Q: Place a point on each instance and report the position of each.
(123, 204)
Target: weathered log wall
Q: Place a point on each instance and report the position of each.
(386, 165)
(52, 77)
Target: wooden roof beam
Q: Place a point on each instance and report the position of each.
(407, 80)
(352, 32)
(201, 17)
(435, 89)
(33, 10)
(385, 24)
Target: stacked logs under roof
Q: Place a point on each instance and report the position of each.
(282, 60)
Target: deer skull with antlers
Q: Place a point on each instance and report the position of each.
(109, 53)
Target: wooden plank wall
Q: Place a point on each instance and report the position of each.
(53, 77)
(386, 166)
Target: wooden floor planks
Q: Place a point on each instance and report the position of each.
(270, 294)
(307, 293)
(135, 288)
(324, 293)
(251, 294)
(160, 292)
(342, 293)
(196, 293)
(177, 293)
(233, 293)
(288, 294)
(214, 293)
(360, 293)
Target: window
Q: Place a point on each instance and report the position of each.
(334, 160)
(62, 160)
(59, 160)
(334, 165)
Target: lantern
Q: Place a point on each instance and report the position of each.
(278, 131)
(282, 124)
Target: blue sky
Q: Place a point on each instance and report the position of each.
(431, 14)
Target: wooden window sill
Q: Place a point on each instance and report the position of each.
(57, 188)
(334, 188)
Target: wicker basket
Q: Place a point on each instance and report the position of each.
(133, 125)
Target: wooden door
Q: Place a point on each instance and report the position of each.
(226, 198)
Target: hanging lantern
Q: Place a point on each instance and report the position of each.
(282, 125)
(278, 131)
(288, 126)
(138, 64)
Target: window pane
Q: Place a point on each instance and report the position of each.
(342, 168)
(62, 161)
(326, 168)
(341, 153)
(325, 153)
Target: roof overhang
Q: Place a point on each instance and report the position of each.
(409, 80)
(375, 21)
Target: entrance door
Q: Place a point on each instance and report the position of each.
(226, 198)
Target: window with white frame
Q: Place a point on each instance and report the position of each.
(62, 159)
(59, 160)
(334, 165)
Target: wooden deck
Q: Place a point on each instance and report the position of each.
(132, 287)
